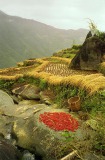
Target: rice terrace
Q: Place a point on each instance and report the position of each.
(56, 73)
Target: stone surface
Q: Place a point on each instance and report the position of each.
(5, 99)
(90, 55)
(27, 91)
(35, 136)
(20, 124)
(45, 98)
(28, 156)
(8, 151)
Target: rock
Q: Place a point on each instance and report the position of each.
(15, 99)
(28, 156)
(90, 55)
(27, 91)
(5, 99)
(45, 98)
(90, 156)
(8, 151)
(21, 123)
(92, 123)
(29, 102)
(38, 138)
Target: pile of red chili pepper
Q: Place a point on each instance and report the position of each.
(59, 121)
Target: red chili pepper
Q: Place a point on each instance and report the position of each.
(59, 121)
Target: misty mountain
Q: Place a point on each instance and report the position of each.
(22, 39)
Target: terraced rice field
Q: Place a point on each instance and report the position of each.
(61, 69)
(57, 73)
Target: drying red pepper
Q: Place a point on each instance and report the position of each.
(59, 121)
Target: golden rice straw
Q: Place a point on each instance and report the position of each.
(88, 79)
(42, 66)
(73, 80)
(55, 80)
(70, 156)
(4, 77)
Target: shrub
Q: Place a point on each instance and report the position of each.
(43, 84)
(6, 84)
(76, 46)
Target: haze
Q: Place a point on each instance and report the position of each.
(64, 14)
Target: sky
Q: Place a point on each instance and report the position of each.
(63, 14)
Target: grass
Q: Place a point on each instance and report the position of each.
(69, 52)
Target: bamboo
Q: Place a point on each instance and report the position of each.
(70, 156)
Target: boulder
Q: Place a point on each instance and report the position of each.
(45, 98)
(37, 137)
(21, 124)
(8, 151)
(5, 99)
(90, 55)
(28, 156)
(27, 91)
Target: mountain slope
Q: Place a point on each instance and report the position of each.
(23, 38)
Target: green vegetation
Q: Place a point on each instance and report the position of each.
(63, 93)
(69, 136)
(94, 30)
(76, 47)
(69, 52)
(6, 85)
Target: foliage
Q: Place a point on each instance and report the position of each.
(6, 84)
(40, 82)
(43, 84)
(20, 80)
(94, 103)
(69, 136)
(68, 55)
(94, 30)
(69, 52)
(63, 93)
(76, 46)
(99, 139)
(101, 35)
(101, 68)
(55, 60)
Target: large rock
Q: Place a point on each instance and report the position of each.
(27, 91)
(37, 137)
(8, 151)
(22, 125)
(45, 98)
(5, 99)
(90, 55)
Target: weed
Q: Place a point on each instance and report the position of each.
(21, 80)
(63, 93)
(69, 136)
(6, 85)
(43, 84)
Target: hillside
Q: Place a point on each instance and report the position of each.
(23, 39)
(42, 90)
